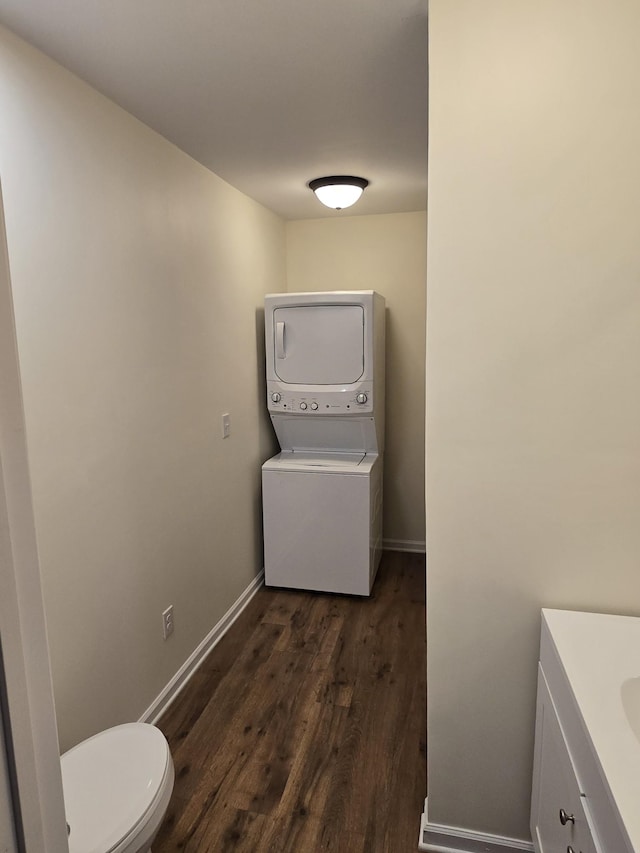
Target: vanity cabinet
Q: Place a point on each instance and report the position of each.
(586, 773)
(559, 821)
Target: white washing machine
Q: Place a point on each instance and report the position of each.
(322, 520)
(322, 495)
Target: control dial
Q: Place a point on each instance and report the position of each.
(276, 397)
(314, 406)
(303, 406)
(361, 398)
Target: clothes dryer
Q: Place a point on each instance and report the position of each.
(325, 369)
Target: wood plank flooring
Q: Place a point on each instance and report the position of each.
(304, 729)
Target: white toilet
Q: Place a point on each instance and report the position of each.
(117, 786)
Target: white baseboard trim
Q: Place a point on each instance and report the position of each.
(436, 838)
(182, 676)
(414, 546)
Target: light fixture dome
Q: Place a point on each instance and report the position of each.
(338, 191)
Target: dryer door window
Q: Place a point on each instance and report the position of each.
(319, 344)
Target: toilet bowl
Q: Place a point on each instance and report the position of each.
(117, 786)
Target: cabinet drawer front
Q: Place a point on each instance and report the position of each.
(558, 818)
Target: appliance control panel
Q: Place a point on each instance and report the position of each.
(313, 401)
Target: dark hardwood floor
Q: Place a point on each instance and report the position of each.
(304, 729)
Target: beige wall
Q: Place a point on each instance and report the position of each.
(138, 282)
(533, 368)
(387, 254)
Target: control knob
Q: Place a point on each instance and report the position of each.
(361, 398)
(276, 397)
(314, 406)
(303, 406)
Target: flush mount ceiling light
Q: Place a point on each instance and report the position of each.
(338, 191)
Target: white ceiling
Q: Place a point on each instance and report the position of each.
(268, 94)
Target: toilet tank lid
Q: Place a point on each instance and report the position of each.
(110, 782)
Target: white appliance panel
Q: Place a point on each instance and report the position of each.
(319, 344)
(294, 460)
(300, 432)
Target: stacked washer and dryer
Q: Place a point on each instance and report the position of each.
(322, 494)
